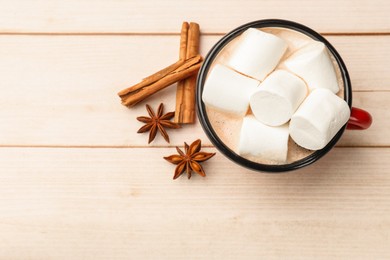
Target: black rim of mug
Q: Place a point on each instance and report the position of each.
(204, 120)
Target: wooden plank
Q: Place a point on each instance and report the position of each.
(122, 203)
(62, 90)
(167, 16)
(364, 58)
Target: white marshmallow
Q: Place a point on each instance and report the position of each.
(313, 64)
(228, 90)
(318, 119)
(257, 53)
(278, 97)
(257, 139)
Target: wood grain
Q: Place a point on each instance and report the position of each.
(61, 65)
(121, 203)
(138, 16)
(61, 91)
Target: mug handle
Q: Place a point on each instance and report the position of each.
(359, 119)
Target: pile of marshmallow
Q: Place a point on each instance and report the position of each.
(299, 100)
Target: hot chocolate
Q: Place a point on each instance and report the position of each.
(228, 125)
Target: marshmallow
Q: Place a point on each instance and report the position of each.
(228, 90)
(257, 139)
(318, 119)
(313, 64)
(257, 53)
(278, 97)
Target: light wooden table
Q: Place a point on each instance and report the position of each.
(77, 182)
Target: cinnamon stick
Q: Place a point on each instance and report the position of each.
(183, 41)
(180, 84)
(185, 93)
(178, 71)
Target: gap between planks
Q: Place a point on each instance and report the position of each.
(170, 34)
(151, 146)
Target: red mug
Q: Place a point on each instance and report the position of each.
(359, 119)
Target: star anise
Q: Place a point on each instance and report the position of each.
(157, 122)
(190, 160)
